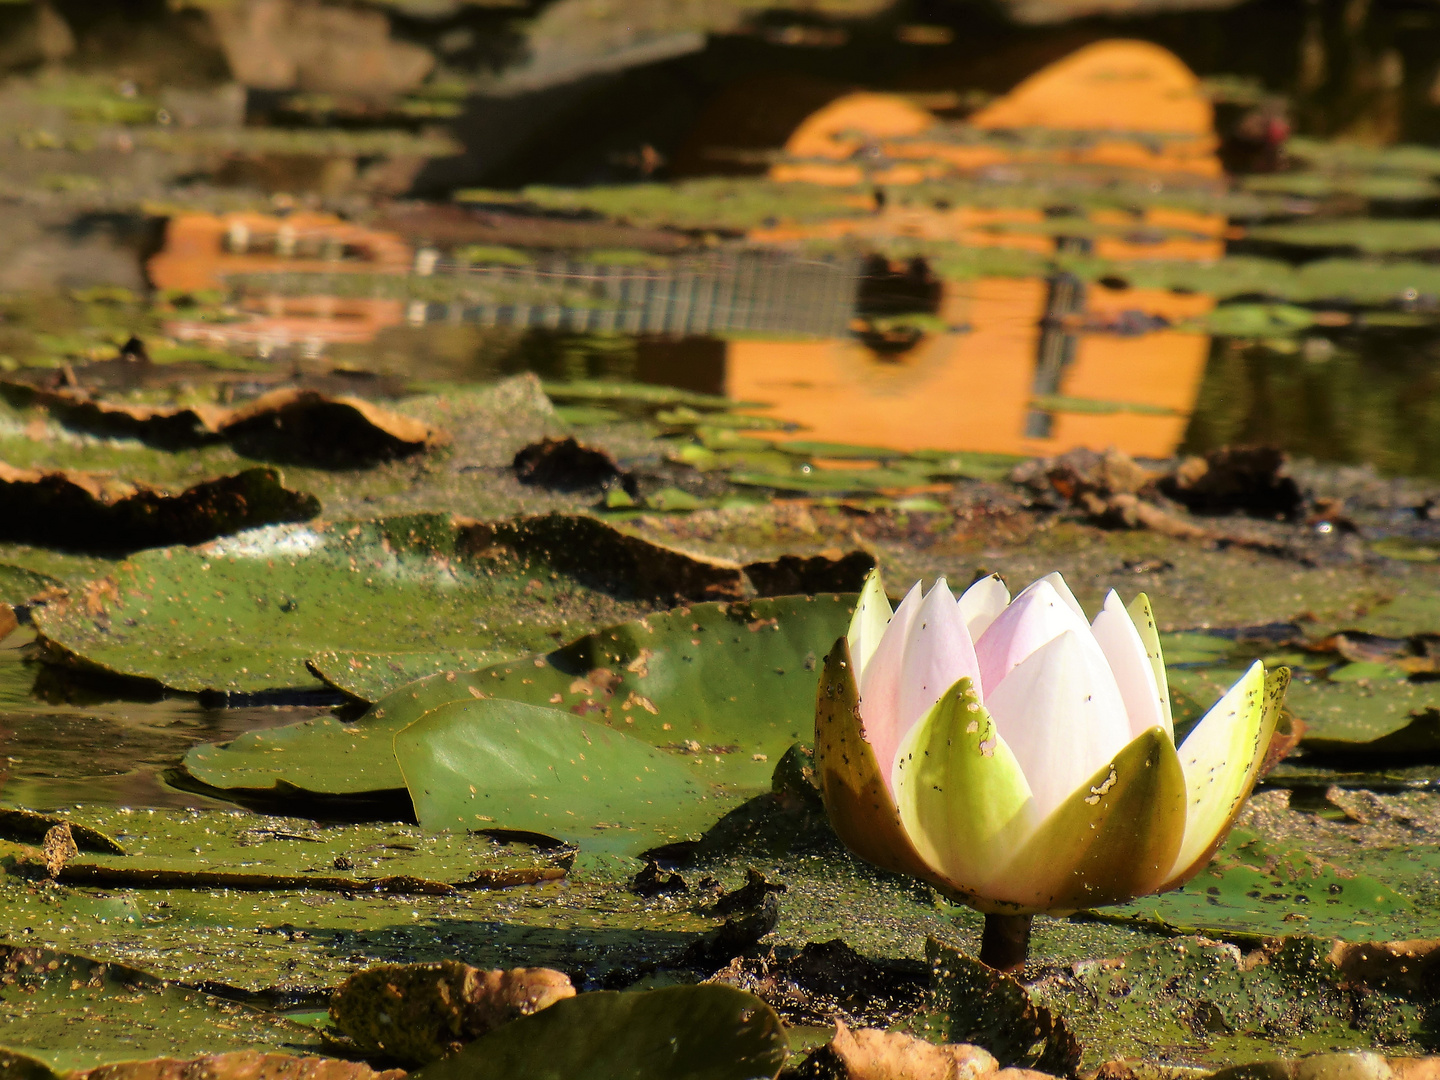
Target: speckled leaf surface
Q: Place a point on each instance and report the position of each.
(71, 1012)
(244, 614)
(18, 585)
(728, 686)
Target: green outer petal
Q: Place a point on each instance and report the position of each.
(1254, 704)
(859, 805)
(1114, 838)
(1143, 617)
(872, 615)
(963, 797)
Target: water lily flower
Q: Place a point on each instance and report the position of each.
(1021, 758)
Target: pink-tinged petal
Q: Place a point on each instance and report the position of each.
(982, 602)
(880, 681)
(1057, 583)
(1130, 664)
(938, 653)
(1037, 616)
(1061, 714)
(867, 625)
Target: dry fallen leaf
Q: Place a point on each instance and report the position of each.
(238, 1065)
(58, 847)
(421, 1012)
(872, 1054)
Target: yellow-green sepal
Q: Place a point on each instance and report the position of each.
(962, 796)
(857, 799)
(1115, 837)
(1223, 763)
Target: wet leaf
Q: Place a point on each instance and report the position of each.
(727, 686)
(978, 1005)
(71, 1012)
(705, 1032)
(308, 427)
(417, 1013)
(1254, 887)
(505, 764)
(18, 585)
(244, 615)
(184, 849)
(1192, 1001)
(90, 512)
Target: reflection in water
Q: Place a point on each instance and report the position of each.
(58, 749)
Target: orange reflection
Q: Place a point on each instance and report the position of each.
(977, 390)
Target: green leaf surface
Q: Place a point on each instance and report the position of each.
(18, 585)
(234, 850)
(1195, 1002)
(71, 1012)
(1254, 887)
(505, 764)
(709, 1032)
(244, 614)
(731, 686)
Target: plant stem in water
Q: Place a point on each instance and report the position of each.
(1006, 941)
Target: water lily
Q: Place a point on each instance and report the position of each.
(1020, 757)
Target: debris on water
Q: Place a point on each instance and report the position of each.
(567, 465)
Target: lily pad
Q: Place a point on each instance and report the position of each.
(179, 849)
(1199, 1003)
(244, 614)
(729, 686)
(1257, 889)
(18, 585)
(489, 764)
(71, 1012)
(91, 512)
(707, 1032)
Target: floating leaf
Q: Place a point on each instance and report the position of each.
(707, 1032)
(71, 1012)
(18, 585)
(244, 614)
(504, 764)
(729, 686)
(1196, 1002)
(1257, 888)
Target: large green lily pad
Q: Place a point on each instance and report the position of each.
(728, 686)
(709, 1032)
(489, 764)
(18, 585)
(244, 614)
(71, 1012)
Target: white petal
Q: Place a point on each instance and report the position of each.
(1061, 714)
(938, 652)
(1130, 664)
(1058, 584)
(982, 602)
(867, 626)
(1221, 757)
(879, 684)
(1144, 619)
(1038, 615)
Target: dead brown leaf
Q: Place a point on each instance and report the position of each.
(92, 511)
(872, 1054)
(421, 1012)
(58, 848)
(8, 621)
(239, 1065)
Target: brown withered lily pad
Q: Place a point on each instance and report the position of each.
(565, 465)
(92, 511)
(297, 424)
(418, 1013)
(239, 1065)
(791, 575)
(308, 427)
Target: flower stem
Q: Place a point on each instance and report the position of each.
(1006, 941)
